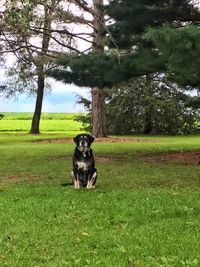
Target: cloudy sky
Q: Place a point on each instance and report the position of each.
(62, 98)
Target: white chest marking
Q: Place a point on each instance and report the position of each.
(82, 165)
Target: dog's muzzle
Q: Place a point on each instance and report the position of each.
(83, 146)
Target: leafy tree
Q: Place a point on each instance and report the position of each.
(148, 105)
(1, 116)
(151, 105)
(35, 32)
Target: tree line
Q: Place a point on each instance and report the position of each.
(141, 60)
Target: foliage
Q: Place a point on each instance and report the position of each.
(85, 118)
(35, 33)
(141, 212)
(181, 47)
(132, 17)
(1, 116)
(130, 52)
(150, 105)
(20, 79)
(156, 106)
(105, 70)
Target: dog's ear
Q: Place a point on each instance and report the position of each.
(91, 139)
(76, 138)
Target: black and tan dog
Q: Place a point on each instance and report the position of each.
(84, 173)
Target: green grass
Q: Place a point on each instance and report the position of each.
(45, 116)
(141, 214)
(45, 125)
(50, 122)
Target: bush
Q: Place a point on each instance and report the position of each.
(1, 116)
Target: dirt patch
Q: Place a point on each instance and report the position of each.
(107, 158)
(186, 158)
(98, 140)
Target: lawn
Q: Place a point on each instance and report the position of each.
(143, 212)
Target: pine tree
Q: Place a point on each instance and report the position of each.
(131, 53)
(181, 49)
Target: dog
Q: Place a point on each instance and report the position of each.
(84, 173)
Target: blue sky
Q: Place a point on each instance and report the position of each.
(62, 98)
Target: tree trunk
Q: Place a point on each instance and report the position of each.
(148, 125)
(98, 110)
(35, 127)
(148, 122)
(98, 95)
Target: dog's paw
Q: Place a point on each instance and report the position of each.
(90, 187)
(76, 184)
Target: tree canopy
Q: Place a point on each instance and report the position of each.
(181, 49)
(130, 52)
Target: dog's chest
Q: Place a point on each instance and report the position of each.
(82, 165)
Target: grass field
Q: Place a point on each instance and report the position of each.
(50, 122)
(143, 213)
(45, 116)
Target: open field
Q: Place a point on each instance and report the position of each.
(50, 122)
(143, 212)
(44, 116)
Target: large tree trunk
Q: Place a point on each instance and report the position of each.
(35, 127)
(98, 95)
(99, 116)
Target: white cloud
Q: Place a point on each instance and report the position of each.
(59, 100)
(60, 87)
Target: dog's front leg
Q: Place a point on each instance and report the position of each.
(90, 183)
(75, 180)
(76, 184)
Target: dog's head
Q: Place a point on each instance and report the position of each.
(83, 142)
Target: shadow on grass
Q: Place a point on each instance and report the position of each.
(66, 184)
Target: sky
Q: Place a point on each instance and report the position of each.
(62, 98)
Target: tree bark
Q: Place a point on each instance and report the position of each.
(98, 95)
(35, 126)
(98, 110)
